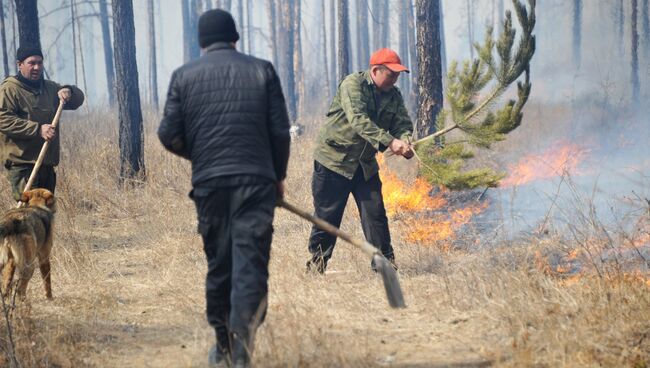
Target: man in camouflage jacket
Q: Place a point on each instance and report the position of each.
(28, 104)
(366, 116)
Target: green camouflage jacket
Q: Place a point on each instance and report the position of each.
(361, 121)
(22, 112)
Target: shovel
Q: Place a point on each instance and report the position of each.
(41, 155)
(384, 267)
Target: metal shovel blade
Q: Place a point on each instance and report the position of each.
(391, 282)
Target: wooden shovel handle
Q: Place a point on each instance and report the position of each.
(46, 145)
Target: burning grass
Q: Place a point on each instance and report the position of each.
(128, 281)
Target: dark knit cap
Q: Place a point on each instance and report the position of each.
(216, 25)
(24, 52)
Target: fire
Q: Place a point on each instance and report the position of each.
(426, 219)
(562, 157)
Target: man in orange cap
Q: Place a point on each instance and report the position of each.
(366, 116)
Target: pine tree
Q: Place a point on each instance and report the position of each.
(470, 113)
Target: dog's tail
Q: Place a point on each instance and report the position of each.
(13, 226)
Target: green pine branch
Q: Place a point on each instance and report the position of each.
(472, 94)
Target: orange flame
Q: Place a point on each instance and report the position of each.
(412, 206)
(561, 158)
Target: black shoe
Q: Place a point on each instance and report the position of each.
(316, 265)
(241, 354)
(217, 358)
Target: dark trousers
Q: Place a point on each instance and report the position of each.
(18, 175)
(331, 191)
(236, 226)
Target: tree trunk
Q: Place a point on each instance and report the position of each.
(470, 28)
(297, 58)
(153, 67)
(249, 28)
(363, 42)
(74, 42)
(191, 49)
(403, 43)
(28, 26)
(443, 44)
(343, 34)
(385, 24)
(376, 25)
(646, 29)
(621, 23)
(335, 80)
(287, 49)
(413, 76)
(240, 24)
(577, 25)
(270, 9)
(3, 33)
(81, 54)
(325, 50)
(185, 12)
(108, 52)
(131, 135)
(429, 66)
(635, 55)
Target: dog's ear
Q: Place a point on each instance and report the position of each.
(25, 197)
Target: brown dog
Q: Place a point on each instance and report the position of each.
(25, 234)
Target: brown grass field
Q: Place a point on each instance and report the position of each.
(128, 283)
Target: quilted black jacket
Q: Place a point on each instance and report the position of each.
(225, 112)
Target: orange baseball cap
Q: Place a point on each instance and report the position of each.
(389, 59)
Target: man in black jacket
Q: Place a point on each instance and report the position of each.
(226, 113)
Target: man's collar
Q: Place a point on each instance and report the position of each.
(368, 78)
(219, 46)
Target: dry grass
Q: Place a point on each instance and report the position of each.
(128, 276)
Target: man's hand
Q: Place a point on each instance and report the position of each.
(65, 94)
(48, 132)
(280, 189)
(401, 148)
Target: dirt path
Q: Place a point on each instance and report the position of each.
(135, 302)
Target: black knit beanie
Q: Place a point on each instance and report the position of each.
(216, 25)
(24, 52)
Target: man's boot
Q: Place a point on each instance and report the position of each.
(241, 351)
(219, 354)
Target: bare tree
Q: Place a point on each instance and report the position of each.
(131, 136)
(635, 56)
(333, 47)
(28, 25)
(403, 42)
(153, 70)
(297, 57)
(240, 22)
(270, 10)
(189, 11)
(344, 42)
(470, 26)
(646, 29)
(325, 49)
(286, 43)
(249, 28)
(108, 52)
(363, 42)
(3, 33)
(429, 66)
(577, 25)
(74, 45)
(413, 76)
(621, 23)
